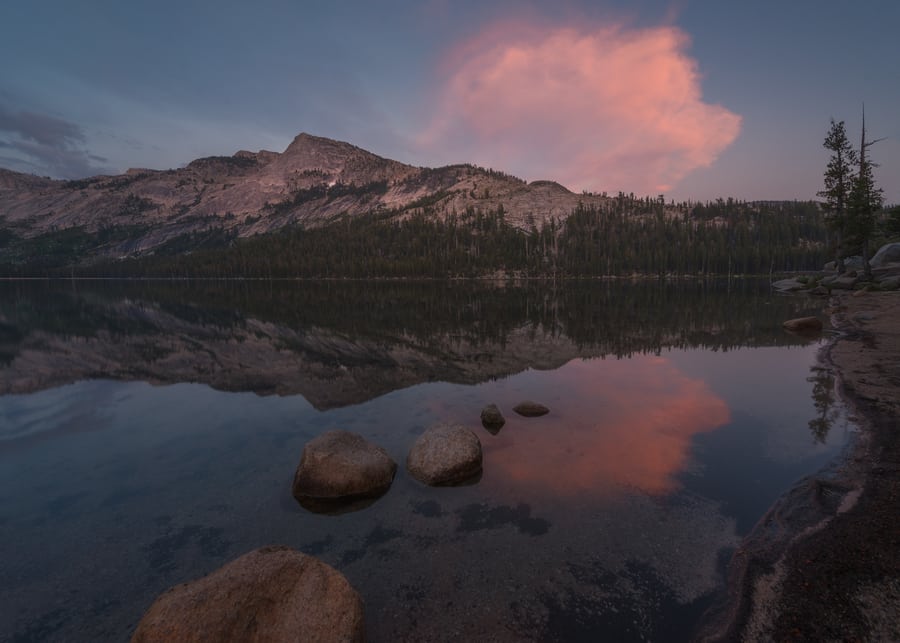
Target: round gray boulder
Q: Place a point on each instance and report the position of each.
(340, 466)
(445, 454)
(270, 594)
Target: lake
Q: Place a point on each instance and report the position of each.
(149, 433)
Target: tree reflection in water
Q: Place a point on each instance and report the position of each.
(823, 397)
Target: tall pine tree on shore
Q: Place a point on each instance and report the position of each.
(840, 178)
(865, 199)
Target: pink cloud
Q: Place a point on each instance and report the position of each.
(606, 108)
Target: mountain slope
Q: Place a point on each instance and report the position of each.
(312, 182)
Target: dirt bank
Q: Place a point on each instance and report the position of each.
(824, 563)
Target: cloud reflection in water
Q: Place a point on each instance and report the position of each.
(629, 426)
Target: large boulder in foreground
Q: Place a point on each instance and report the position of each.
(339, 466)
(531, 409)
(803, 325)
(271, 594)
(445, 454)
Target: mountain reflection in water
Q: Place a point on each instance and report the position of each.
(340, 343)
(608, 518)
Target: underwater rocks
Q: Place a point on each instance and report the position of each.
(339, 466)
(445, 454)
(531, 409)
(269, 594)
(492, 419)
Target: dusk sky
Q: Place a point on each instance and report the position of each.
(693, 98)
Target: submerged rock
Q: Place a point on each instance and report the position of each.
(339, 466)
(270, 594)
(445, 454)
(803, 325)
(531, 409)
(492, 419)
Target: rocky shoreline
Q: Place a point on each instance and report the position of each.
(823, 564)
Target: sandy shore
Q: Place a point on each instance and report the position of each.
(824, 563)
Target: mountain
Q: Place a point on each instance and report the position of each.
(313, 182)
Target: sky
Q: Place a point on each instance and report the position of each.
(694, 99)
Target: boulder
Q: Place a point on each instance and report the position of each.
(853, 263)
(788, 285)
(803, 325)
(888, 253)
(445, 454)
(531, 409)
(270, 594)
(339, 466)
(890, 283)
(819, 291)
(844, 282)
(850, 263)
(492, 419)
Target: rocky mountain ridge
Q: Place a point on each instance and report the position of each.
(313, 182)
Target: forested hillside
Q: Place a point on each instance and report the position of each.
(627, 236)
(324, 208)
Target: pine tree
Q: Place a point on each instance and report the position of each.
(865, 199)
(839, 180)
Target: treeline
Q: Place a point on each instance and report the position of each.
(722, 237)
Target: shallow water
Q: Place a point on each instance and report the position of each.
(149, 433)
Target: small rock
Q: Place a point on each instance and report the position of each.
(853, 263)
(270, 594)
(803, 325)
(492, 419)
(531, 409)
(819, 291)
(788, 284)
(445, 454)
(844, 282)
(342, 466)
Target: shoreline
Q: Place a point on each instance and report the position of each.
(822, 564)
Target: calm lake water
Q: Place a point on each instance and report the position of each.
(149, 433)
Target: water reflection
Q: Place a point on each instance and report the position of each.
(345, 343)
(612, 424)
(823, 397)
(608, 517)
